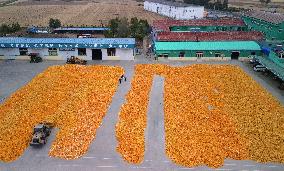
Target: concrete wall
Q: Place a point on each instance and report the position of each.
(179, 13)
(13, 53)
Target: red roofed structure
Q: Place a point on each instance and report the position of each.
(164, 25)
(210, 36)
(217, 39)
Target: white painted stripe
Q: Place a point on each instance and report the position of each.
(230, 164)
(165, 161)
(185, 168)
(68, 165)
(106, 166)
(106, 158)
(249, 165)
(272, 166)
(148, 160)
(141, 167)
(89, 157)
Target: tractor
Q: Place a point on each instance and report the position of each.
(75, 60)
(41, 132)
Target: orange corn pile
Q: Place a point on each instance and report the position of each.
(133, 114)
(74, 98)
(212, 112)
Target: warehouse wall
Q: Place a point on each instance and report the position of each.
(121, 54)
(11, 53)
(207, 54)
(180, 13)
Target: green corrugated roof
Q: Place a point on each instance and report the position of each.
(235, 45)
(275, 67)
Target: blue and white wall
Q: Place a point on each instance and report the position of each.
(13, 53)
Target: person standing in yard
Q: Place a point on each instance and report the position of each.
(121, 78)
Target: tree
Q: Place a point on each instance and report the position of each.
(7, 29)
(15, 27)
(265, 1)
(197, 2)
(4, 29)
(113, 25)
(54, 23)
(225, 4)
(139, 28)
(123, 28)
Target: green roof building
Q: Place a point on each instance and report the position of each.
(271, 24)
(207, 50)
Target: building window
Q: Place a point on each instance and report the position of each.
(199, 54)
(82, 52)
(181, 54)
(280, 30)
(111, 52)
(52, 51)
(217, 54)
(23, 51)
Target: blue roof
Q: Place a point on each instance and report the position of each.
(68, 40)
(81, 29)
(22, 42)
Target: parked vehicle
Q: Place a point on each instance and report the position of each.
(253, 61)
(259, 68)
(41, 132)
(35, 58)
(75, 60)
(281, 86)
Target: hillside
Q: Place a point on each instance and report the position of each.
(76, 13)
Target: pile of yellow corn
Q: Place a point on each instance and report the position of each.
(133, 114)
(198, 131)
(74, 98)
(212, 112)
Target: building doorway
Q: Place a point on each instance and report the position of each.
(235, 55)
(96, 54)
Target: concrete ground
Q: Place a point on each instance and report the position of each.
(102, 154)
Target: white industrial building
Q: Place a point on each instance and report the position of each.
(63, 48)
(175, 10)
